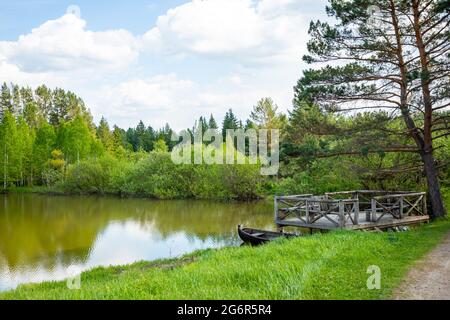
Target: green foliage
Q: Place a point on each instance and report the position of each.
(265, 115)
(155, 175)
(77, 141)
(100, 175)
(323, 175)
(160, 146)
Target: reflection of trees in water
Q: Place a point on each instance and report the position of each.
(52, 230)
(45, 229)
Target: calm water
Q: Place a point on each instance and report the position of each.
(41, 236)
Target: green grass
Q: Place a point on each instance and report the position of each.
(328, 266)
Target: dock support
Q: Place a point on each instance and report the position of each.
(341, 214)
(401, 208)
(356, 212)
(374, 210)
(275, 206)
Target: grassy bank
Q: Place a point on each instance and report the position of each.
(328, 266)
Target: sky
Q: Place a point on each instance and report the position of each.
(166, 61)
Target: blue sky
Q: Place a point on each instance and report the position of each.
(20, 16)
(159, 61)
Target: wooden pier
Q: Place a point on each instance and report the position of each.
(356, 210)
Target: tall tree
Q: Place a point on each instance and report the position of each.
(212, 124)
(43, 145)
(265, 115)
(387, 56)
(25, 137)
(44, 101)
(9, 146)
(229, 122)
(5, 99)
(105, 135)
(75, 140)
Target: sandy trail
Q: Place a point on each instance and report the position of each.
(429, 279)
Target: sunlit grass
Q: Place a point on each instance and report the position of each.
(328, 266)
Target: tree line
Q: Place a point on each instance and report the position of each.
(43, 131)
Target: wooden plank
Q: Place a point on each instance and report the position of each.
(398, 195)
(394, 223)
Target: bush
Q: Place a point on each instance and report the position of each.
(156, 176)
(102, 175)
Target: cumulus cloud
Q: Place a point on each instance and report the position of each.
(252, 49)
(250, 31)
(170, 99)
(65, 44)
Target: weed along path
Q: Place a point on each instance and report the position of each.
(429, 279)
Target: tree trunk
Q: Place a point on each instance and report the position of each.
(437, 205)
(434, 191)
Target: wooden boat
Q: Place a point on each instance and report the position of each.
(256, 236)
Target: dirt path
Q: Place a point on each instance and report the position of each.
(429, 279)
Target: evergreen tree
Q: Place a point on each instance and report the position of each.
(140, 136)
(229, 122)
(212, 124)
(394, 59)
(265, 115)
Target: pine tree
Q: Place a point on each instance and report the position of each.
(265, 115)
(394, 58)
(229, 122)
(212, 124)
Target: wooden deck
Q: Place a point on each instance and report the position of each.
(354, 210)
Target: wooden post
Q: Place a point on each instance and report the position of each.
(306, 211)
(401, 207)
(341, 214)
(275, 207)
(356, 211)
(374, 210)
(424, 204)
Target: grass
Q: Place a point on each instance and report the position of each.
(327, 266)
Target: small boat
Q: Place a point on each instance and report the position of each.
(256, 236)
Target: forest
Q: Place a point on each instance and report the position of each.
(49, 139)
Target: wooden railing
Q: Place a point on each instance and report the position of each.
(308, 209)
(398, 205)
(344, 208)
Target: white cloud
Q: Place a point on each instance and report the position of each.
(252, 32)
(251, 49)
(179, 102)
(64, 44)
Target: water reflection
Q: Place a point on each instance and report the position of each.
(40, 236)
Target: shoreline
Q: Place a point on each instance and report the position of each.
(329, 266)
(55, 192)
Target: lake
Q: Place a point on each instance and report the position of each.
(41, 237)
